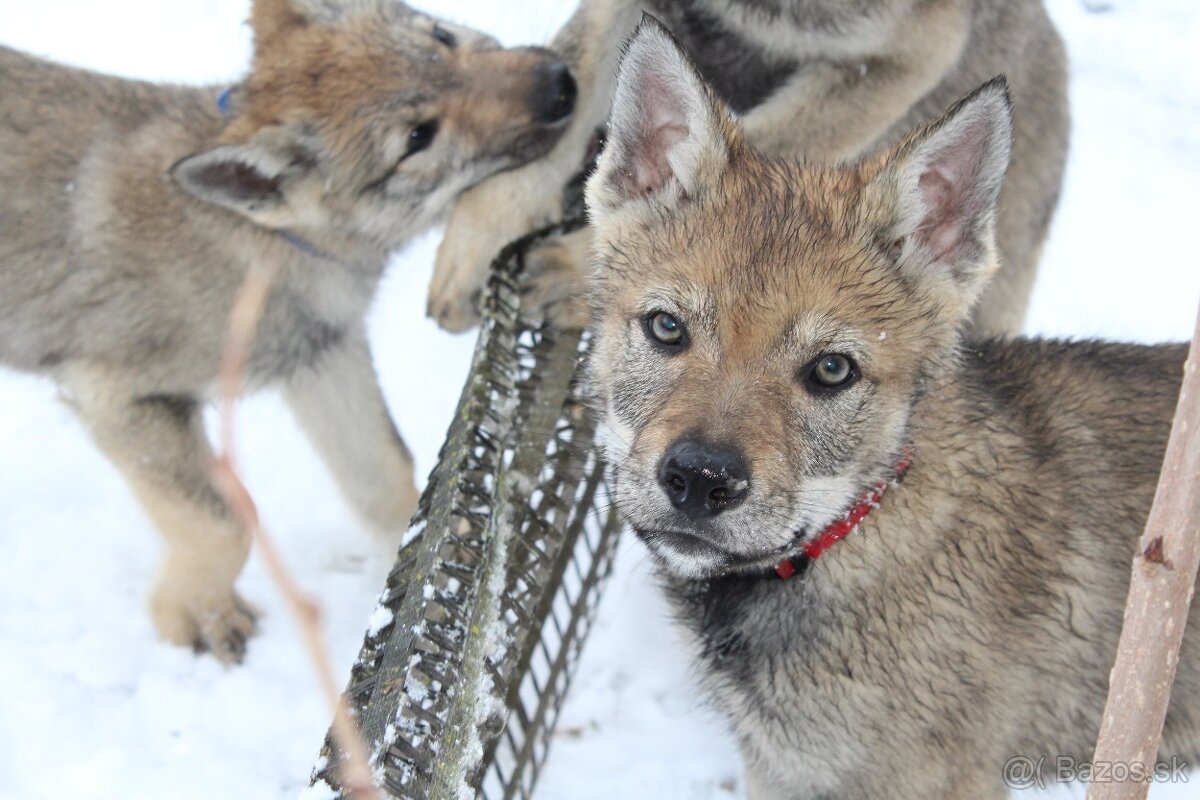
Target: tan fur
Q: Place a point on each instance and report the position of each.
(132, 212)
(865, 72)
(973, 616)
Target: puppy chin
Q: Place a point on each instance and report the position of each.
(683, 555)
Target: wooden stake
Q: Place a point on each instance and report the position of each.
(1160, 592)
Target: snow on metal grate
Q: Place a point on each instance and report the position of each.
(468, 658)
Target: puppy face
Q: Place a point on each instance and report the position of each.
(764, 328)
(366, 118)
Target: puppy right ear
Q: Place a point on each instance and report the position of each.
(669, 138)
(256, 179)
(942, 187)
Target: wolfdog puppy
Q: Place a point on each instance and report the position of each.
(777, 346)
(131, 213)
(815, 79)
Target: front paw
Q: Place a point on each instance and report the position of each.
(459, 276)
(217, 622)
(484, 220)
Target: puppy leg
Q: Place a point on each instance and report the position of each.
(340, 406)
(158, 443)
(840, 102)
(475, 234)
(554, 279)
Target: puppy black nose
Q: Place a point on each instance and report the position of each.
(553, 92)
(703, 479)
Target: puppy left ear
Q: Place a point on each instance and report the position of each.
(942, 186)
(668, 136)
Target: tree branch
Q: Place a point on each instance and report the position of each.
(248, 307)
(1160, 591)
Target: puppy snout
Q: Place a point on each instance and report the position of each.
(702, 479)
(554, 93)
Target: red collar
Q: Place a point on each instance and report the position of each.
(841, 528)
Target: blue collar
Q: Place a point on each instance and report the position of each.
(225, 106)
(305, 246)
(225, 102)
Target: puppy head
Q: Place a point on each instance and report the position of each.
(365, 118)
(764, 328)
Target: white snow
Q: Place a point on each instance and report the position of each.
(91, 706)
(318, 791)
(380, 618)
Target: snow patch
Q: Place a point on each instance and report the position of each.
(380, 618)
(319, 791)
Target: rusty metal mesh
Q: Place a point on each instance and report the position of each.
(493, 594)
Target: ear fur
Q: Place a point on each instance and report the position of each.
(669, 138)
(253, 179)
(327, 11)
(270, 17)
(943, 185)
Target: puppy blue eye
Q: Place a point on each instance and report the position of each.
(665, 329)
(832, 370)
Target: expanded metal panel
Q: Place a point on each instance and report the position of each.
(493, 594)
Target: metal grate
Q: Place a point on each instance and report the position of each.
(492, 596)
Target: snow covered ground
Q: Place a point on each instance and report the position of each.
(91, 706)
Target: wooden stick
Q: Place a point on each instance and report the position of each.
(1160, 592)
(248, 307)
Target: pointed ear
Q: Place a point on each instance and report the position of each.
(271, 17)
(253, 178)
(325, 12)
(668, 136)
(942, 186)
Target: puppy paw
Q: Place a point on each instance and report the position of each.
(454, 294)
(553, 281)
(220, 624)
(461, 268)
(485, 219)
